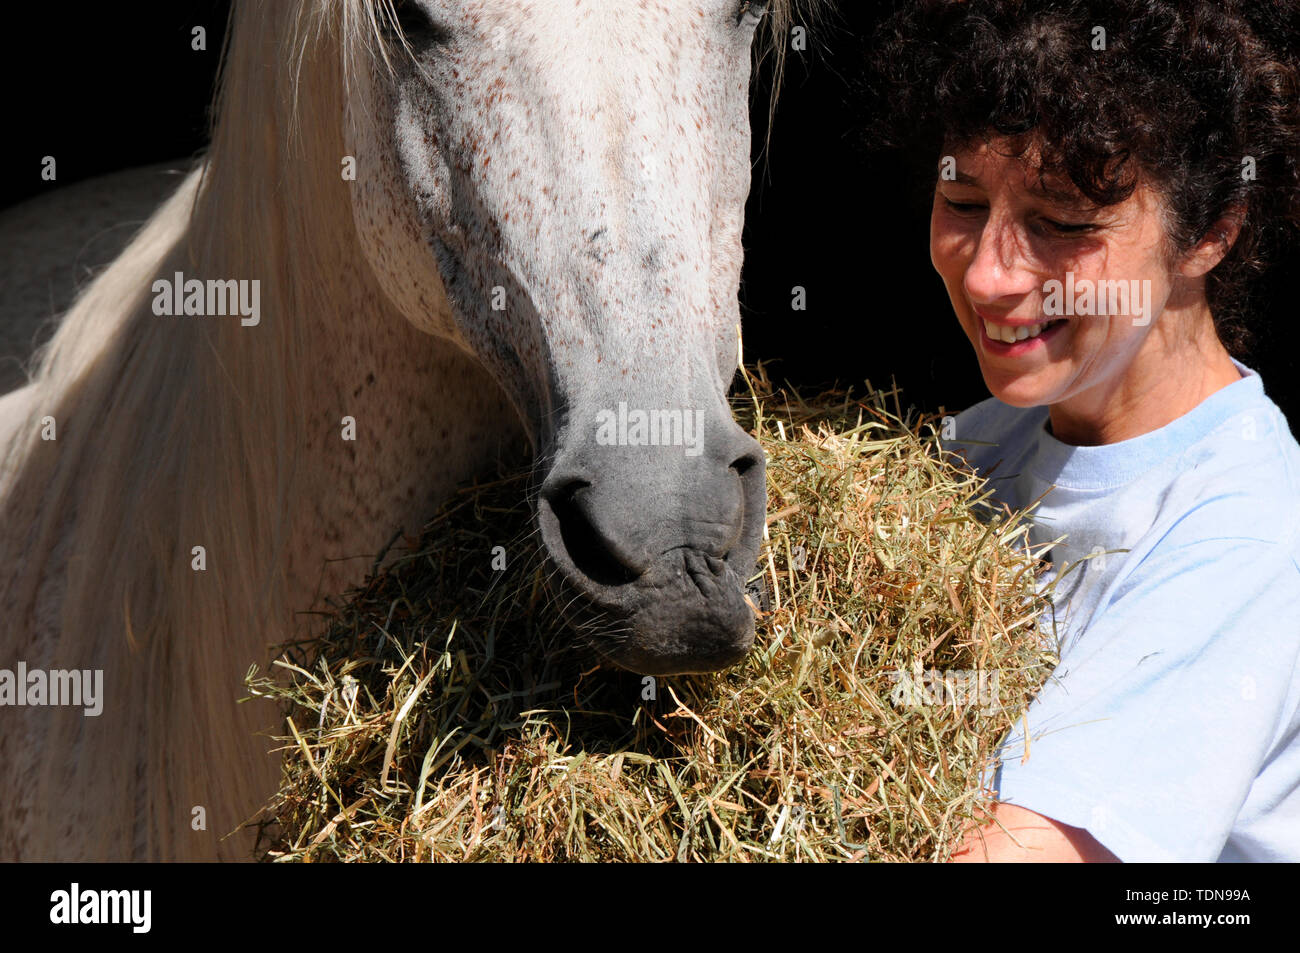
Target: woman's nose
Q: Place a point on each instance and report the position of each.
(1000, 266)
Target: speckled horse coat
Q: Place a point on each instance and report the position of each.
(473, 237)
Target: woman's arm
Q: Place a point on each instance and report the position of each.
(1029, 838)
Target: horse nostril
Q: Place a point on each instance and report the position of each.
(745, 463)
(592, 553)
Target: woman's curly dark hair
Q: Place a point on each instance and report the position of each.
(1182, 93)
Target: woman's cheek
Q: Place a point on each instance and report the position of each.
(947, 257)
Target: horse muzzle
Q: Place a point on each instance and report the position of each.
(655, 543)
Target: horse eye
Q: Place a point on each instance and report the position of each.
(414, 21)
(754, 10)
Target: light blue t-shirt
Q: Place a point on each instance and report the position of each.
(1170, 731)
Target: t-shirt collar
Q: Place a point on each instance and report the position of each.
(1115, 464)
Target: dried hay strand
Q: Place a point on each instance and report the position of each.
(448, 713)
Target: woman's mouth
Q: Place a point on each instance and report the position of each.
(1006, 340)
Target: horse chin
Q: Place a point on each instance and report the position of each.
(686, 615)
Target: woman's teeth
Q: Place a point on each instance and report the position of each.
(1009, 335)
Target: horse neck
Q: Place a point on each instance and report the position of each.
(390, 422)
(378, 421)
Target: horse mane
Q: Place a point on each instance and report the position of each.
(175, 432)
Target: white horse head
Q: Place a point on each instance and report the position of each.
(558, 186)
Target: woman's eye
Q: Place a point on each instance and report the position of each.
(752, 10)
(1069, 228)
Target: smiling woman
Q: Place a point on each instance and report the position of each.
(1111, 175)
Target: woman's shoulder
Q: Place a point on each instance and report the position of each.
(1243, 479)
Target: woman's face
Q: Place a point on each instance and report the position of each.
(999, 242)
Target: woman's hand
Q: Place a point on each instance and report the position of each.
(1041, 840)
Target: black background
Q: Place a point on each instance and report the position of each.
(109, 86)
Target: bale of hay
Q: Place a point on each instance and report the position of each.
(449, 714)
